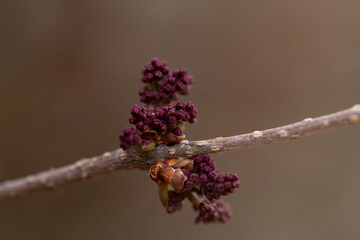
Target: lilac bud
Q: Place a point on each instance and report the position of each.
(189, 184)
(213, 174)
(171, 119)
(228, 185)
(198, 159)
(159, 113)
(220, 178)
(174, 96)
(174, 202)
(203, 178)
(133, 120)
(180, 105)
(135, 110)
(217, 211)
(158, 75)
(177, 131)
(236, 184)
(220, 187)
(209, 186)
(171, 80)
(228, 177)
(129, 138)
(179, 86)
(167, 88)
(186, 173)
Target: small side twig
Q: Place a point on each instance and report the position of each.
(110, 161)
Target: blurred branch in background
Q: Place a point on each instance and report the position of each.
(89, 168)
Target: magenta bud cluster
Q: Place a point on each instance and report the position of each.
(159, 125)
(162, 121)
(201, 182)
(131, 138)
(175, 201)
(154, 70)
(216, 211)
(207, 177)
(163, 87)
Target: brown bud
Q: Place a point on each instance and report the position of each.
(154, 170)
(169, 172)
(171, 161)
(165, 173)
(149, 134)
(181, 163)
(189, 166)
(170, 138)
(177, 180)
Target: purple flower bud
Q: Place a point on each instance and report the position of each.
(135, 110)
(201, 166)
(174, 202)
(180, 114)
(167, 88)
(189, 184)
(186, 173)
(171, 80)
(133, 120)
(193, 113)
(206, 169)
(220, 187)
(198, 159)
(228, 185)
(180, 105)
(214, 185)
(129, 138)
(159, 113)
(179, 86)
(217, 211)
(154, 70)
(159, 125)
(186, 117)
(228, 177)
(220, 178)
(195, 179)
(174, 96)
(236, 184)
(177, 131)
(209, 186)
(171, 119)
(213, 174)
(158, 75)
(203, 178)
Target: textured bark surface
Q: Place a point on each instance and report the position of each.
(88, 168)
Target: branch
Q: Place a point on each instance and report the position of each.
(89, 168)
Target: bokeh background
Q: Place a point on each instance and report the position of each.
(70, 71)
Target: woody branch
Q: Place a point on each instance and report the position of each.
(108, 162)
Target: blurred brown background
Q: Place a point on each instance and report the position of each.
(70, 71)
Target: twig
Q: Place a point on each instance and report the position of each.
(110, 161)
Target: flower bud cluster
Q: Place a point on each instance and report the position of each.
(175, 201)
(217, 211)
(161, 121)
(131, 138)
(207, 177)
(162, 125)
(154, 70)
(200, 181)
(162, 87)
